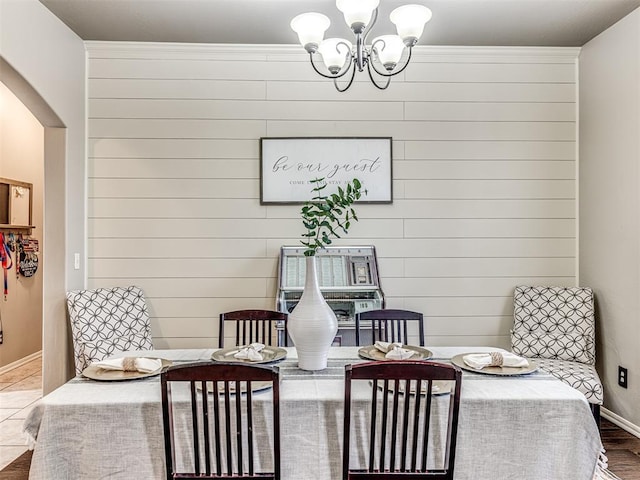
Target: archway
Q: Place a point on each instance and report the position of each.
(55, 331)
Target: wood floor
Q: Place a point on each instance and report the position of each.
(623, 451)
(19, 469)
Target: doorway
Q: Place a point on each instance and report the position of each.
(57, 360)
(21, 161)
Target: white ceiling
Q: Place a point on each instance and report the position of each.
(454, 22)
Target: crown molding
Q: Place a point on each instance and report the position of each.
(423, 53)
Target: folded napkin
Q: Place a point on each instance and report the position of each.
(131, 364)
(399, 353)
(394, 350)
(494, 359)
(385, 347)
(250, 352)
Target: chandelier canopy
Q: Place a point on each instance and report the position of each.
(382, 58)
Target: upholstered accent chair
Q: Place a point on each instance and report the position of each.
(555, 326)
(107, 320)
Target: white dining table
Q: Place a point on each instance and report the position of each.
(528, 427)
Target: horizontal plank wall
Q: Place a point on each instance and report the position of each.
(484, 162)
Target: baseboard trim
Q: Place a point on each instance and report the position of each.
(19, 363)
(621, 422)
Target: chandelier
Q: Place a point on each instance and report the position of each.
(381, 58)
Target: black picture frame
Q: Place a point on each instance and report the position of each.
(288, 164)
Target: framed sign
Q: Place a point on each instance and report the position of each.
(287, 166)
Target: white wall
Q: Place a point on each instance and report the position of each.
(484, 179)
(22, 159)
(610, 203)
(47, 64)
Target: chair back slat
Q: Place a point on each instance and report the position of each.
(218, 398)
(383, 430)
(372, 438)
(239, 444)
(453, 427)
(206, 431)
(276, 431)
(250, 429)
(405, 425)
(194, 427)
(427, 424)
(167, 424)
(227, 423)
(394, 424)
(390, 325)
(216, 426)
(401, 415)
(416, 423)
(255, 326)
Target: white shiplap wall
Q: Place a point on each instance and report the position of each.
(484, 147)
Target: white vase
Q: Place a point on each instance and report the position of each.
(312, 324)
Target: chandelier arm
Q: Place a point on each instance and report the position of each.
(374, 18)
(353, 75)
(384, 74)
(373, 80)
(324, 74)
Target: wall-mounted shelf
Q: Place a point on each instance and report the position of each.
(16, 206)
(24, 229)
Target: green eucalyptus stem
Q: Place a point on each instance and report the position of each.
(327, 216)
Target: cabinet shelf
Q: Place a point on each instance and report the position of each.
(8, 228)
(16, 207)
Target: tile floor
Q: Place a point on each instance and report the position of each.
(20, 389)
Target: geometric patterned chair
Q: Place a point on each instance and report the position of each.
(106, 320)
(556, 327)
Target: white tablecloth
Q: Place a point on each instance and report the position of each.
(531, 427)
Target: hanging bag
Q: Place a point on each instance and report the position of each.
(28, 256)
(28, 265)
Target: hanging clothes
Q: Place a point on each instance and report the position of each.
(7, 262)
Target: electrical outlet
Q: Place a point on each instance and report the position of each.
(622, 377)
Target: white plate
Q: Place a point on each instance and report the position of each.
(370, 352)
(269, 354)
(506, 371)
(96, 373)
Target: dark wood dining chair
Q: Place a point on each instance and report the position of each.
(199, 404)
(402, 427)
(255, 326)
(389, 325)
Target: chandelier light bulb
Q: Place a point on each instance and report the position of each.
(310, 28)
(410, 21)
(389, 50)
(335, 52)
(357, 13)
